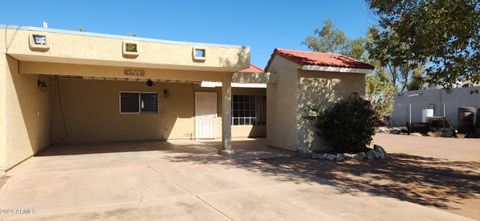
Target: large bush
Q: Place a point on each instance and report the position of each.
(348, 125)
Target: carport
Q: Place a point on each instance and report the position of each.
(76, 87)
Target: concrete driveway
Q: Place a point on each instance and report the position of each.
(184, 180)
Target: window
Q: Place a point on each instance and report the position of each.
(248, 110)
(200, 54)
(132, 102)
(40, 39)
(130, 47)
(148, 102)
(38, 42)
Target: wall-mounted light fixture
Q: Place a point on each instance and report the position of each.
(42, 84)
(166, 93)
(150, 83)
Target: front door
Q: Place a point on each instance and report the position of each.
(205, 114)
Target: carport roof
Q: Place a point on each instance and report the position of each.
(319, 59)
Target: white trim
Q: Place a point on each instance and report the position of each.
(249, 85)
(335, 69)
(210, 84)
(235, 85)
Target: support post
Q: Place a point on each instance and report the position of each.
(227, 115)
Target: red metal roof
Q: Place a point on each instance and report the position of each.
(319, 59)
(252, 69)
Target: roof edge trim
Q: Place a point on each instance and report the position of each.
(335, 69)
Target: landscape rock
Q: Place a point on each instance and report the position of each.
(360, 156)
(331, 157)
(416, 134)
(304, 152)
(381, 153)
(349, 155)
(340, 157)
(383, 129)
(371, 155)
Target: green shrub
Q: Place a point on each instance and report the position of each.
(348, 125)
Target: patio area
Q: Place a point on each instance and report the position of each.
(188, 180)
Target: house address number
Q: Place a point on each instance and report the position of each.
(130, 72)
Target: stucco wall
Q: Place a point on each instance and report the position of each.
(318, 90)
(281, 104)
(91, 111)
(444, 104)
(27, 115)
(98, 49)
(3, 72)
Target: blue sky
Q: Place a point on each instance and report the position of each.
(262, 25)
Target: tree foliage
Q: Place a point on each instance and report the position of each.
(329, 39)
(442, 35)
(379, 86)
(379, 90)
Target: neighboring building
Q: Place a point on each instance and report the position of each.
(409, 105)
(300, 81)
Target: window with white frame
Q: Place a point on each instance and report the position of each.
(248, 109)
(135, 102)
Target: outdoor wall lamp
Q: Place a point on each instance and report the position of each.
(42, 85)
(165, 93)
(149, 83)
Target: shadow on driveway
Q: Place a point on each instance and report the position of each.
(421, 180)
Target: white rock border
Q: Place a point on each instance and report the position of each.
(377, 153)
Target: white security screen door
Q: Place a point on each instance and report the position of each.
(205, 114)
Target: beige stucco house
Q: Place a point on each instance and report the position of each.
(301, 82)
(60, 86)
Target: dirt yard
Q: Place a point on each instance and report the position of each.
(443, 173)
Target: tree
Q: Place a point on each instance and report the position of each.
(329, 39)
(379, 91)
(442, 35)
(379, 87)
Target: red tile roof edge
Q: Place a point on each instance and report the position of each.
(318, 59)
(252, 69)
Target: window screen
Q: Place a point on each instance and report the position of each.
(129, 103)
(149, 102)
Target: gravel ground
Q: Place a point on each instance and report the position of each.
(442, 173)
